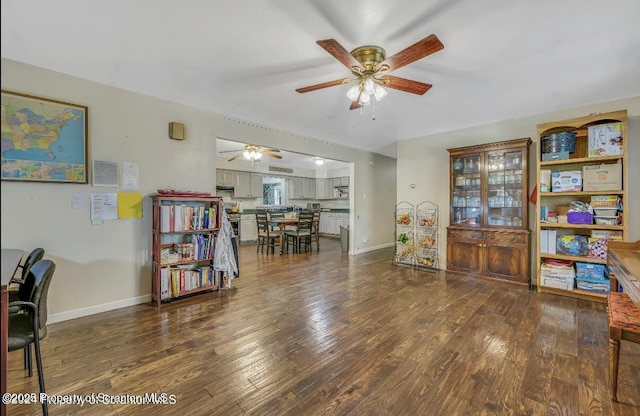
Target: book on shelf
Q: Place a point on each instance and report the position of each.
(164, 282)
(165, 224)
(544, 241)
(551, 241)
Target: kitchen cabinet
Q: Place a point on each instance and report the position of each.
(324, 188)
(248, 185)
(225, 177)
(340, 181)
(248, 228)
(302, 188)
(323, 222)
(488, 235)
(330, 222)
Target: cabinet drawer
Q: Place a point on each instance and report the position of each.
(505, 237)
(468, 234)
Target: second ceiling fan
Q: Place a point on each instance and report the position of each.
(371, 69)
(254, 153)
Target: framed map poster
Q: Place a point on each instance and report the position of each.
(43, 140)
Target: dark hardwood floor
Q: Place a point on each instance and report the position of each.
(329, 333)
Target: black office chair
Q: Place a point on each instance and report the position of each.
(36, 255)
(29, 325)
(25, 283)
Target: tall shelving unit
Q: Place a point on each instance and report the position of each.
(416, 235)
(184, 229)
(427, 236)
(577, 160)
(405, 248)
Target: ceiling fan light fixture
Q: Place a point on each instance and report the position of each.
(252, 155)
(379, 92)
(365, 99)
(369, 86)
(353, 92)
(319, 161)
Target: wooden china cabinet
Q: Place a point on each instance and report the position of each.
(488, 233)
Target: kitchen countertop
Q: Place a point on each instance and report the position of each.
(252, 211)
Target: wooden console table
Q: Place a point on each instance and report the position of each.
(624, 265)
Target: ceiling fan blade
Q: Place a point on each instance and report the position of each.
(339, 52)
(271, 150)
(235, 157)
(229, 151)
(355, 105)
(271, 155)
(425, 47)
(406, 85)
(323, 85)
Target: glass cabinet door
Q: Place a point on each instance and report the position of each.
(466, 184)
(504, 197)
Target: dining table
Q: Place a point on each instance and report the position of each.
(282, 223)
(11, 258)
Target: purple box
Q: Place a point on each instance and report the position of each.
(580, 218)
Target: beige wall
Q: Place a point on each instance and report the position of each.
(103, 267)
(424, 161)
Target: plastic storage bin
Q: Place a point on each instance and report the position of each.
(559, 142)
(615, 220)
(591, 271)
(580, 218)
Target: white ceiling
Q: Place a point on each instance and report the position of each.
(502, 59)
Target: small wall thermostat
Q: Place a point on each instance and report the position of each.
(177, 131)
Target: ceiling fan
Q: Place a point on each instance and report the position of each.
(371, 67)
(254, 153)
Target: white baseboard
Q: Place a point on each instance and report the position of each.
(91, 310)
(381, 246)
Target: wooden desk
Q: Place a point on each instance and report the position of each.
(10, 261)
(282, 223)
(624, 263)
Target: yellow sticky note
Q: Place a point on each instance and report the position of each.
(129, 205)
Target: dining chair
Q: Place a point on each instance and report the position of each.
(30, 325)
(302, 235)
(266, 236)
(623, 318)
(276, 215)
(315, 228)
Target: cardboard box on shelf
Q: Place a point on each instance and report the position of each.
(608, 234)
(605, 201)
(605, 139)
(545, 180)
(557, 277)
(566, 181)
(602, 177)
